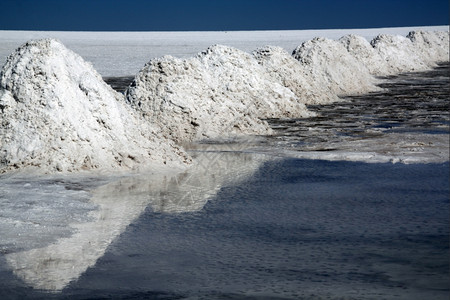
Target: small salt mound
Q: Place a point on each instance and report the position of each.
(330, 65)
(59, 115)
(399, 54)
(285, 69)
(432, 46)
(219, 93)
(363, 51)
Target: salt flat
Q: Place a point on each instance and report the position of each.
(239, 223)
(125, 53)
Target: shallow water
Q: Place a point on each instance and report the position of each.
(413, 107)
(411, 102)
(296, 229)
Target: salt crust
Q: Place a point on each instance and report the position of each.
(432, 47)
(58, 115)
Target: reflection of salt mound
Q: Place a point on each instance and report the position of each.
(211, 170)
(54, 266)
(221, 91)
(283, 68)
(398, 53)
(327, 63)
(431, 46)
(58, 114)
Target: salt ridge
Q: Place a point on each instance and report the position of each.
(222, 91)
(226, 91)
(59, 115)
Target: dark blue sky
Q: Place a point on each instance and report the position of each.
(151, 15)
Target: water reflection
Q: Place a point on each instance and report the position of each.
(119, 203)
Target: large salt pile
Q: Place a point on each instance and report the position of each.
(432, 46)
(327, 63)
(222, 91)
(284, 68)
(57, 114)
(399, 54)
(363, 51)
(390, 55)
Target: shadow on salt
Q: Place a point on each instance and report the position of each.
(121, 202)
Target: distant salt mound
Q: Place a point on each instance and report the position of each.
(221, 92)
(285, 69)
(390, 55)
(432, 46)
(327, 63)
(59, 115)
(399, 54)
(363, 51)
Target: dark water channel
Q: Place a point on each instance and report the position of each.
(410, 103)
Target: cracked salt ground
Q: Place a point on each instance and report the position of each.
(408, 122)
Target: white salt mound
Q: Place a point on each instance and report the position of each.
(432, 46)
(222, 91)
(328, 64)
(285, 69)
(57, 114)
(399, 54)
(363, 51)
(390, 55)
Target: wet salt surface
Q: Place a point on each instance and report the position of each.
(413, 107)
(119, 84)
(296, 229)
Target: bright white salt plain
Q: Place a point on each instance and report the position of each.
(125, 53)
